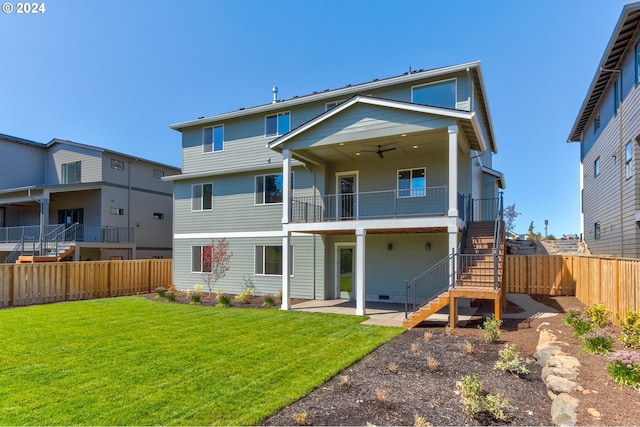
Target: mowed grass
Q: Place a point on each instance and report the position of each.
(130, 361)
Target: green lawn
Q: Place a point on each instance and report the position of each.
(130, 361)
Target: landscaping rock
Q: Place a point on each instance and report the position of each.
(543, 355)
(563, 410)
(570, 374)
(563, 361)
(560, 385)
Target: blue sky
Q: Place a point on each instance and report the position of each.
(117, 73)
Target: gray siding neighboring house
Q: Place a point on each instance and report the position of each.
(122, 207)
(345, 220)
(608, 130)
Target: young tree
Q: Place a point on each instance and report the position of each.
(216, 260)
(510, 215)
(531, 228)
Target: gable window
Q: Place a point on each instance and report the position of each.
(628, 159)
(71, 173)
(439, 94)
(117, 164)
(269, 189)
(268, 260)
(412, 182)
(202, 197)
(596, 167)
(213, 139)
(198, 264)
(116, 211)
(596, 231)
(277, 124)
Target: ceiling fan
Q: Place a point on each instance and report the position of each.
(380, 151)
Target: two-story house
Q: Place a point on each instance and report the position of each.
(608, 130)
(345, 193)
(75, 201)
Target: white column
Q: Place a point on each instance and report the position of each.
(453, 248)
(286, 186)
(286, 278)
(360, 267)
(453, 171)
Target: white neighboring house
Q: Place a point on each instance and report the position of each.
(75, 201)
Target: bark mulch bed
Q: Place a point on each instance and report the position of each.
(411, 380)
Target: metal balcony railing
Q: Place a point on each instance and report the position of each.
(430, 201)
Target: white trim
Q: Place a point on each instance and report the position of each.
(229, 171)
(336, 273)
(376, 224)
(356, 173)
(455, 95)
(234, 235)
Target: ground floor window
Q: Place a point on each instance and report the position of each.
(268, 260)
(197, 259)
(596, 231)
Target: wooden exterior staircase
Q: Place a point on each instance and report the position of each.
(476, 278)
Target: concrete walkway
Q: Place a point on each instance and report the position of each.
(387, 314)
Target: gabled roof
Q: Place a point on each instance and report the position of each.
(350, 90)
(620, 44)
(21, 140)
(406, 106)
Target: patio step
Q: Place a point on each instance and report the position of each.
(427, 310)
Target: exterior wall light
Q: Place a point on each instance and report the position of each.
(390, 247)
(427, 247)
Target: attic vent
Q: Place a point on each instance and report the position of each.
(383, 297)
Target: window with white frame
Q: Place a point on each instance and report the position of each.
(412, 182)
(596, 167)
(628, 159)
(71, 173)
(117, 164)
(269, 189)
(268, 260)
(277, 124)
(202, 197)
(213, 139)
(438, 94)
(198, 260)
(116, 211)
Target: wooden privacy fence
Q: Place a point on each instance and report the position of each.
(612, 281)
(26, 284)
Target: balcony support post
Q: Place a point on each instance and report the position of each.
(286, 268)
(453, 171)
(286, 186)
(360, 271)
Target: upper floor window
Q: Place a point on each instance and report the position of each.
(157, 173)
(596, 167)
(213, 139)
(158, 215)
(202, 197)
(596, 123)
(117, 164)
(116, 211)
(277, 124)
(269, 188)
(439, 94)
(596, 231)
(412, 182)
(628, 159)
(71, 173)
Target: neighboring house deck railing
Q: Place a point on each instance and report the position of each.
(430, 201)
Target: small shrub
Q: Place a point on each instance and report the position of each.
(509, 360)
(345, 381)
(161, 292)
(269, 301)
(468, 347)
(419, 421)
(414, 348)
(171, 296)
(598, 341)
(427, 335)
(300, 418)
(433, 364)
(630, 329)
(393, 367)
(624, 368)
(491, 329)
(196, 299)
(245, 295)
(598, 315)
(381, 395)
(579, 322)
(224, 301)
(218, 293)
(197, 288)
(478, 404)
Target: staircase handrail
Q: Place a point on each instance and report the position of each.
(497, 241)
(411, 285)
